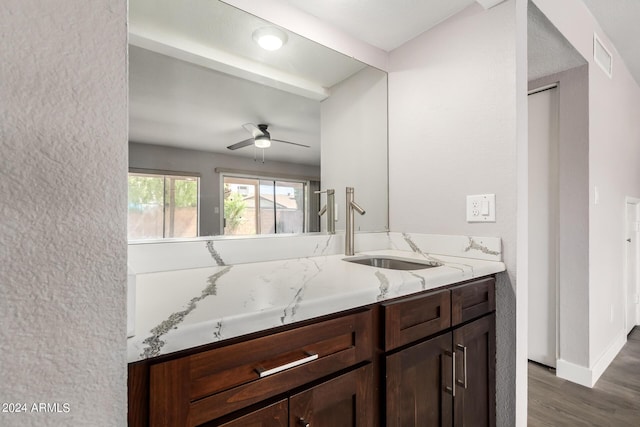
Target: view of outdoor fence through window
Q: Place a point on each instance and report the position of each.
(263, 206)
(162, 206)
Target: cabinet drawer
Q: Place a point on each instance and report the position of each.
(207, 385)
(413, 318)
(472, 300)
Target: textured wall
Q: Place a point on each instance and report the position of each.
(452, 133)
(63, 163)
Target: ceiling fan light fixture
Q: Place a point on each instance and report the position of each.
(270, 38)
(262, 141)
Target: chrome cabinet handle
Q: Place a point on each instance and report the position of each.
(303, 423)
(452, 389)
(464, 365)
(266, 372)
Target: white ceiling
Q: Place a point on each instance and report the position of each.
(548, 51)
(176, 103)
(382, 23)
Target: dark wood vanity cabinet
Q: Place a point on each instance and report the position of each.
(422, 360)
(318, 369)
(447, 379)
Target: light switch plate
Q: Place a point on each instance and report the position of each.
(481, 208)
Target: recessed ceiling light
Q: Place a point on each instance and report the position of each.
(270, 38)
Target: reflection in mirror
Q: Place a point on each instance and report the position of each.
(226, 137)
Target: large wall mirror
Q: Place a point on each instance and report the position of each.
(229, 138)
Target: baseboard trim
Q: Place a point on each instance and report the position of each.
(605, 360)
(589, 376)
(575, 373)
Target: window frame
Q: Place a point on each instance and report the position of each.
(164, 174)
(267, 177)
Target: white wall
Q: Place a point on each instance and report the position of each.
(452, 132)
(163, 158)
(63, 139)
(614, 168)
(353, 133)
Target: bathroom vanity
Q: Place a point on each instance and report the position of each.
(352, 345)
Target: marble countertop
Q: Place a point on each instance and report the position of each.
(181, 309)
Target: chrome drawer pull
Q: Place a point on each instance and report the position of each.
(452, 389)
(464, 364)
(266, 372)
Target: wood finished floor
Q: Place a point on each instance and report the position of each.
(614, 401)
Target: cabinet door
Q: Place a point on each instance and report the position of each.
(475, 347)
(345, 401)
(275, 415)
(419, 385)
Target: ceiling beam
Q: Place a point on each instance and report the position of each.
(225, 62)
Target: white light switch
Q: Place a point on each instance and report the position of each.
(481, 208)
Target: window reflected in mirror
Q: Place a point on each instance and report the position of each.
(255, 206)
(162, 206)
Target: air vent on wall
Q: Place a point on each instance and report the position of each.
(602, 56)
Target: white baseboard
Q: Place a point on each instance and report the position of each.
(575, 373)
(605, 360)
(589, 376)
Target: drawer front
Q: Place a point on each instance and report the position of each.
(472, 300)
(414, 318)
(214, 383)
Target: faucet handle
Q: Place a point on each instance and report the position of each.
(329, 191)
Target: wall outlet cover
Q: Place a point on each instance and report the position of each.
(481, 208)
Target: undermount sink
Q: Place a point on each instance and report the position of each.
(391, 262)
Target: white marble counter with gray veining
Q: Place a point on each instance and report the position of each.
(180, 309)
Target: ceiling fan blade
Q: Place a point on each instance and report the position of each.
(252, 129)
(292, 143)
(241, 144)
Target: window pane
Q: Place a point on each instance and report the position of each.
(239, 205)
(145, 206)
(263, 206)
(181, 206)
(289, 207)
(162, 206)
(267, 207)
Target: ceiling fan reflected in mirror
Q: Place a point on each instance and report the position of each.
(261, 138)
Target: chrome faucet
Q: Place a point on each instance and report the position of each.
(349, 232)
(330, 209)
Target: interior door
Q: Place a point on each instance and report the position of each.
(543, 225)
(631, 266)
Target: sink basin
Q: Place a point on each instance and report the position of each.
(391, 262)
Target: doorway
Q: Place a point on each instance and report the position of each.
(631, 264)
(543, 224)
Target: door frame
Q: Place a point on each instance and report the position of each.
(630, 201)
(556, 220)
